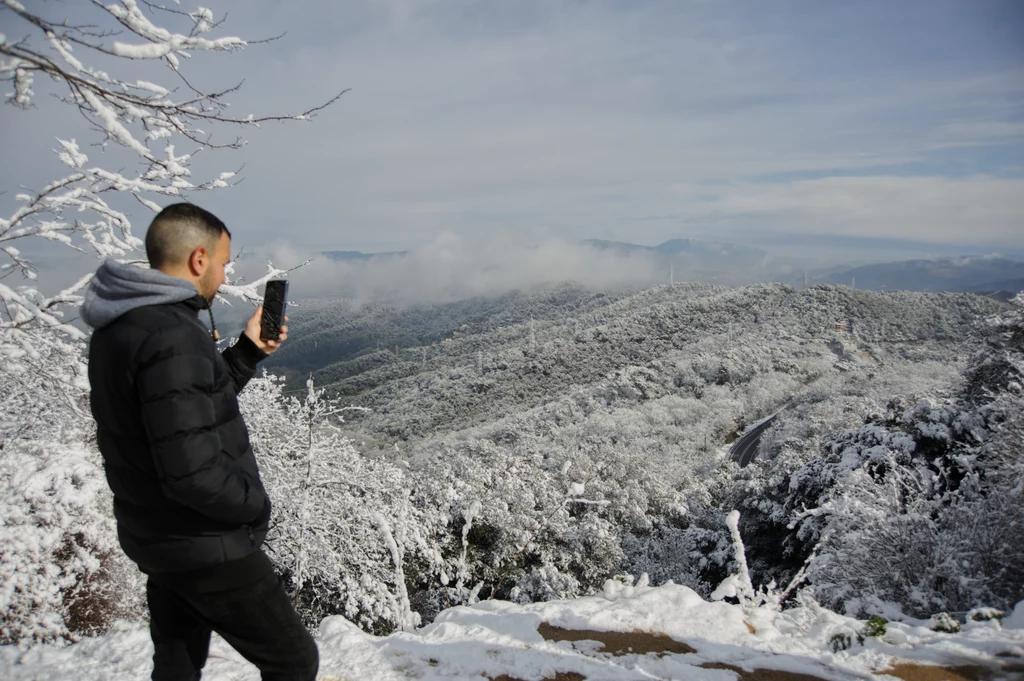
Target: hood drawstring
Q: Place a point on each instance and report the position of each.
(214, 333)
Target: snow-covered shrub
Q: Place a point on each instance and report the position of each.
(840, 641)
(62, 573)
(922, 507)
(985, 615)
(999, 363)
(875, 627)
(517, 524)
(945, 623)
(343, 525)
(687, 551)
(930, 532)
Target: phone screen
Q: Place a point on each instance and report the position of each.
(275, 300)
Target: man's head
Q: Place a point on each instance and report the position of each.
(188, 242)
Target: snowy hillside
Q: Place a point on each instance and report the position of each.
(428, 371)
(530, 462)
(565, 435)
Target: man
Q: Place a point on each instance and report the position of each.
(190, 507)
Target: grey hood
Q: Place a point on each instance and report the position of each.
(117, 288)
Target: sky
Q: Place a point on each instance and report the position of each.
(865, 130)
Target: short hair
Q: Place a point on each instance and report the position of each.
(178, 230)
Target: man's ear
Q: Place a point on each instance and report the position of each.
(198, 260)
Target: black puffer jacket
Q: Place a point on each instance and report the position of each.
(187, 490)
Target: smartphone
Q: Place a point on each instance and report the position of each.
(275, 300)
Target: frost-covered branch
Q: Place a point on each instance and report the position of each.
(149, 132)
(249, 292)
(161, 126)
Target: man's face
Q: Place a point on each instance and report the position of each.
(210, 281)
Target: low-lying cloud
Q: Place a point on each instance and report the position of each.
(452, 267)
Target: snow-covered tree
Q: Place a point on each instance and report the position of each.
(343, 527)
(122, 67)
(921, 507)
(639, 401)
(159, 127)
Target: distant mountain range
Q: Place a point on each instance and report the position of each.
(974, 274)
(733, 264)
(692, 251)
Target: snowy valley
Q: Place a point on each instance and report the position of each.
(550, 446)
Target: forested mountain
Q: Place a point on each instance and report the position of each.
(530, 446)
(422, 369)
(570, 434)
(325, 332)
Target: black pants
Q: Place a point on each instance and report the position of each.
(256, 619)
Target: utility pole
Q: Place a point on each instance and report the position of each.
(805, 278)
(671, 275)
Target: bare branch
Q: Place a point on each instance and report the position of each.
(264, 41)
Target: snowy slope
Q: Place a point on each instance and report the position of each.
(695, 640)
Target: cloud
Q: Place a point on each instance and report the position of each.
(452, 267)
(977, 210)
(577, 120)
(977, 133)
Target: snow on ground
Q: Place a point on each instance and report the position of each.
(501, 640)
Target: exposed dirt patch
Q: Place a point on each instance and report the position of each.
(911, 671)
(762, 674)
(618, 643)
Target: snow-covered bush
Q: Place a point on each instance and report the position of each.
(923, 507)
(896, 521)
(999, 364)
(343, 526)
(516, 523)
(691, 555)
(62, 573)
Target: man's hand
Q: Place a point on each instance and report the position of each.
(252, 330)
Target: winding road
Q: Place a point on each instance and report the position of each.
(744, 450)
